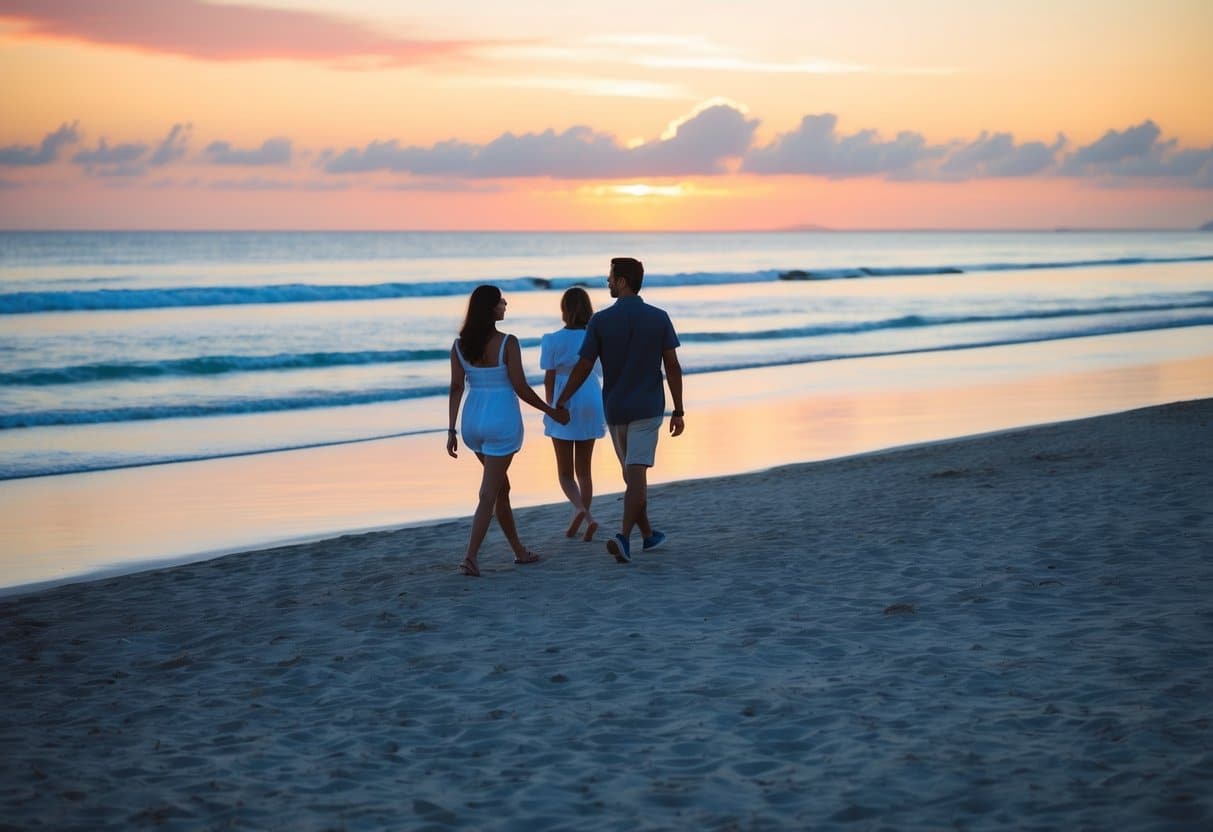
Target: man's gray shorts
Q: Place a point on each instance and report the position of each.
(636, 442)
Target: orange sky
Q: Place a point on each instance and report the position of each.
(467, 114)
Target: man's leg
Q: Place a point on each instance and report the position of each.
(618, 545)
(636, 446)
(635, 500)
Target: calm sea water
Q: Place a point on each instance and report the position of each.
(125, 349)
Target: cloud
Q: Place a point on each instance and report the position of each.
(1204, 178)
(131, 159)
(705, 142)
(816, 148)
(1114, 146)
(174, 146)
(996, 155)
(449, 157)
(105, 155)
(214, 32)
(699, 142)
(8, 185)
(46, 153)
(698, 145)
(450, 186)
(271, 152)
(1121, 157)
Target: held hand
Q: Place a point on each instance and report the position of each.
(561, 415)
(452, 445)
(677, 425)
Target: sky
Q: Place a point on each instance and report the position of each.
(629, 115)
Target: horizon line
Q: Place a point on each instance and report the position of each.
(808, 229)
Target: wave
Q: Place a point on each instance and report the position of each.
(29, 302)
(245, 405)
(209, 365)
(914, 271)
(95, 300)
(212, 365)
(215, 407)
(1203, 301)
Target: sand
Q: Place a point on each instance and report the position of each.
(1010, 631)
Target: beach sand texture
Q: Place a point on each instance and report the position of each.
(1010, 631)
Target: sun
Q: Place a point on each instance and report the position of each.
(642, 190)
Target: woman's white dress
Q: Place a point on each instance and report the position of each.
(558, 351)
(492, 417)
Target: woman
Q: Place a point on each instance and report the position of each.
(574, 441)
(490, 362)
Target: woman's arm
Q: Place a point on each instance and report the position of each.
(513, 365)
(456, 396)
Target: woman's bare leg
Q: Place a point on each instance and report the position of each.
(505, 519)
(492, 483)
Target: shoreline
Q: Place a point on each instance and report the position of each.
(83, 526)
(173, 562)
(1000, 631)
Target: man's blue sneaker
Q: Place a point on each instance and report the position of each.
(654, 540)
(620, 548)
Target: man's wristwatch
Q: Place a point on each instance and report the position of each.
(678, 414)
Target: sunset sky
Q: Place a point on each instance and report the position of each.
(695, 114)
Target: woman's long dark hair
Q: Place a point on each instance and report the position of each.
(480, 323)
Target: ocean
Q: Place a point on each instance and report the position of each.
(174, 396)
(121, 350)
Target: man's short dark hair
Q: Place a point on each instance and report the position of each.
(629, 269)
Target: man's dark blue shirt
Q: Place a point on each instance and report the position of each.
(629, 338)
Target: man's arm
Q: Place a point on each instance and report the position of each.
(673, 377)
(581, 371)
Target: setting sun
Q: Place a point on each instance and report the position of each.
(642, 190)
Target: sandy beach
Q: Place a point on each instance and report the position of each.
(1011, 631)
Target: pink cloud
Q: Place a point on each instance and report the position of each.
(196, 29)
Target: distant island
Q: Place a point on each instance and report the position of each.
(806, 226)
(1207, 226)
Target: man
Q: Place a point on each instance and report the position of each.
(633, 341)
